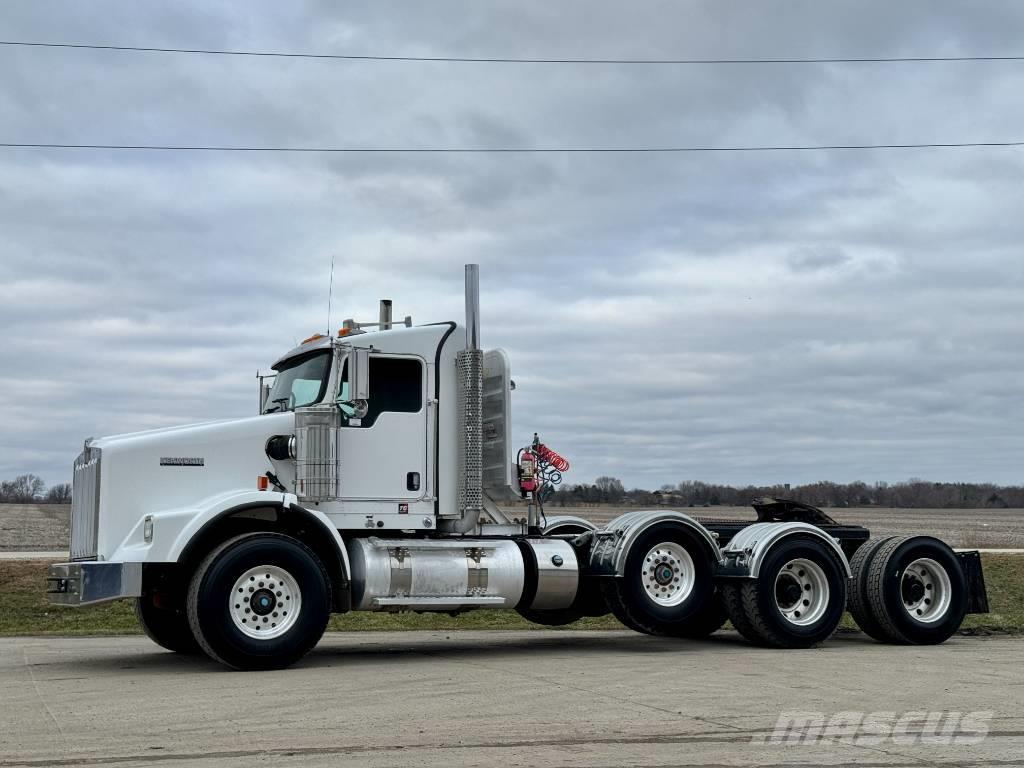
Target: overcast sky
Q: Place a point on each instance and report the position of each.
(774, 317)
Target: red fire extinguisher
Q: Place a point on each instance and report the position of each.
(527, 473)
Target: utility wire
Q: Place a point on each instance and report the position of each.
(509, 150)
(513, 60)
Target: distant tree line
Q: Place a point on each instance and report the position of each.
(30, 489)
(692, 493)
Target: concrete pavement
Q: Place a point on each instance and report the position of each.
(495, 699)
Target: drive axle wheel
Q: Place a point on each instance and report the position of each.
(798, 597)
(665, 586)
(858, 603)
(259, 601)
(917, 591)
(708, 620)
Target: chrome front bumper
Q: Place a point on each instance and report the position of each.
(91, 582)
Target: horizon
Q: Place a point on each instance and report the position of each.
(736, 316)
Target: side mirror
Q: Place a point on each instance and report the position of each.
(355, 392)
(359, 374)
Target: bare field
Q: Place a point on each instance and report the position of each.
(44, 527)
(982, 528)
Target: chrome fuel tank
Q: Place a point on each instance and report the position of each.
(435, 574)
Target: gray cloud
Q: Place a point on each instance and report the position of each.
(742, 318)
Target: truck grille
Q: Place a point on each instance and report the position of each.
(85, 505)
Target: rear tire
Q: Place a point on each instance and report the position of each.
(259, 601)
(168, 627)
(665, 585)
(708, 620)
(917, 590)
(732, 598)
(858, 602)
(799, 596)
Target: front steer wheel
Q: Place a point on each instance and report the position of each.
(166, 625)
(259, 601)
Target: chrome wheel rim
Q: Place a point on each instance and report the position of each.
(926, 590)
(265, 602)
(801, 592)
(669, 574)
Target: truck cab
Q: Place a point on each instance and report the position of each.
(397, 417)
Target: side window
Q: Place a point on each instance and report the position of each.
(396, 385)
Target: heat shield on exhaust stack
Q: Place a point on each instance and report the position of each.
(471, 376)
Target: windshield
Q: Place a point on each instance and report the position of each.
(299, 383)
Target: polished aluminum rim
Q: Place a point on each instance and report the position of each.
(926, 590)
(265, 602)
(801, 592)
(669, 574)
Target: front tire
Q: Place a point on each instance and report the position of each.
(666, 583)
(259, 601)
(167, 626)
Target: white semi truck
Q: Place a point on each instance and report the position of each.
(379, 475)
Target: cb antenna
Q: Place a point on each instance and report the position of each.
(330, 293)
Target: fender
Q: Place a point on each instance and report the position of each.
(174, 528)
(748, 548)
(230, 504)
(612, 543)
(566, 521)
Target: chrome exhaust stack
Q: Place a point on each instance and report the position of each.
(470, 366)
(385, 315)
(473, 306)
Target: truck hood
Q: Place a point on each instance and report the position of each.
(110, 440)
(178, 468)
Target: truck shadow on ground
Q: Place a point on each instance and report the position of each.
(349, 649)
(455, 648)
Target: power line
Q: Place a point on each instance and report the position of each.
(512, 60)
(509, 150)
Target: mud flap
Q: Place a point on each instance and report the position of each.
(977, 596)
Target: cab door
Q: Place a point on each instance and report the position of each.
(383, 455)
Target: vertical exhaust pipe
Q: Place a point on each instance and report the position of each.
(469, 369)
(385, 315)
(472, 306)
